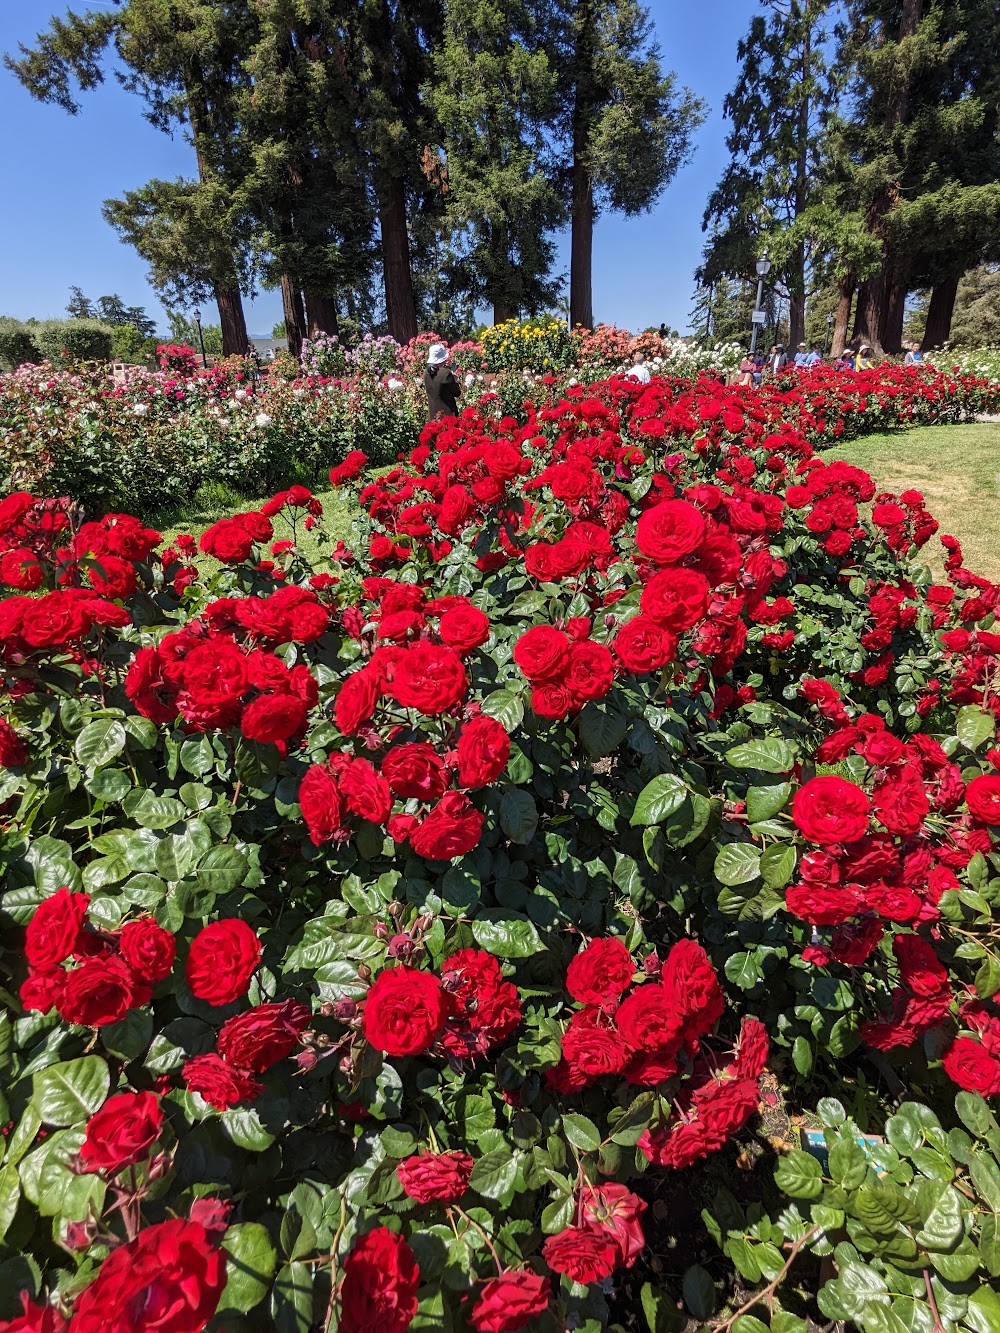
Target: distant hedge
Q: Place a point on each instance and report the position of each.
(56, 340)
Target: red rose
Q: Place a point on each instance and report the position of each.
(404, 1011)
(274, 717)
(443, 1177)
(153, 696)
(921, 971)
(429, 678)
(901, 804)
(381, 1277)
(451, 829)
(356, 700)
(509, 1301)
(222, 959)
(675, 598)
(692, 983)
(321, 804)
(53, 929)
(830, 809)
(822, 905)
(542, 653)
(168, 1280)
(582, 1254)
(122, 1132)
(263, 1035)
(972, 1067)
(221, 1085)
(214, 679)
(670, 531)
(415, 771)
(643, 646)
(590, 672)
(982, 796)
(484, 1010)
(616, 1210)
(13, 751)
(227, 541)
(649, 1019)
(464, 628)
(34, 1318)
(21, 569)
(551, 700)
(589, 1052)
(148, 949)
(483, 751)
(365, 791)
(55, 619)
(100, 991)
(600, 973)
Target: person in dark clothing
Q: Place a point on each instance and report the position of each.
(440, 384)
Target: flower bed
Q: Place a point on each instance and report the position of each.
(386, 931)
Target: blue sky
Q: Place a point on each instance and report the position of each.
(59, 169)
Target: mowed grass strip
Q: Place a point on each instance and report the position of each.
(956, 468)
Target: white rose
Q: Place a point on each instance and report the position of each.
(240, 393)
(262, 420)
(394, 384)
(141, 409)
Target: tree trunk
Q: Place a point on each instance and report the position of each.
(397, 275)
(843, 316)
(796, 275)
(938, 327)
(502, 312)
(870, 314)
(232, 319)
(796, 315)
(895, 312)
(581, 291)
(295, 315)
(321, 314)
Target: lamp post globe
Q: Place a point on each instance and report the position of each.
(201, 339)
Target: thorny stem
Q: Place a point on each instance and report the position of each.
(334, 1246)
(475, 1225)
(938, 1326)
(767, 1294)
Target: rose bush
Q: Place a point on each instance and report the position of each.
(380, 933)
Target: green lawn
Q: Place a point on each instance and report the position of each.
(956, 468)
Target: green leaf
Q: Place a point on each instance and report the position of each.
(986, 1178)
(943, 1226)
(983, 1314)
(989, 1243)
(743, 970)
(769, 755)
(737, 863)
(602, 729)
(658, 799)
(68, 1093)
(974, 1114)
(100, 742)
(799, 1175)
(766, 802)
(802, 1056)
(518, 814)
(10, 1196)
(494, 1174)
(662, 1315)
(748, 1323)
(110, 785)
(699, 1292)
(974, 726)
(988, 978)
(506, 934)
(581, 1132)
(777, 864)
(153, 812)
(250, 1263)
(506, 707)
(222, 869)
(292, 1299)
(848, 1164)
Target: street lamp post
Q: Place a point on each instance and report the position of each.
(763, 268)
(201, 339)
(829, 334)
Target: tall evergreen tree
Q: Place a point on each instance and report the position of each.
(626, 129)
(494, 93)
(778, 110)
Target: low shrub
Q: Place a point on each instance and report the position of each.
(73, 341)
(18, 344)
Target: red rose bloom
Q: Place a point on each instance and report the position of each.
(366, 792)
(508, 1302)
(52, 931)
(122, 1132)
(582, 1254)
(443, 1177)
(381, 1277)
(56, 619)
(227, 541)
(649, 1019)
(221, 1085)
(675, 598)
(600, 973)
(542, 653)
(616, 1210)
(590, 672)
(464, 628)
(321, 803)
(971, 1066)
(982, 796)
(168, 1280)
(273, 718)
(451, 829)
(13, 751)
(643, 646)
(429, 678)
(98, 992)
(148, 949)
(263, 1035)
(222, 960)
(921, 971)
(356, 700)
(830, 809)
(404, 1011)
(670, 531)
(415, 771)
(34, 1318)
(483, 751)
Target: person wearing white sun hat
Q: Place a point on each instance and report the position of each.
(440, 384)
